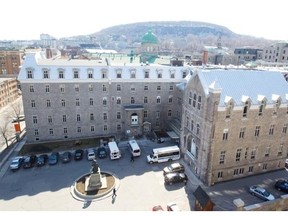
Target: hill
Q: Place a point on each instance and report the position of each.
(175, 35)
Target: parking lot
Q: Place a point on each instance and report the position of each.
(48, 187)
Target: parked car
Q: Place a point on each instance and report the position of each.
(262, 193)
(91, 154)
(16, 163)
(66, 157)
(101, 152)
(282, 185)
(78, 155)
(29, 161)
(175, 177)
(157, 208)
(41, 160)
(172, 207)
(174, 167)
(53, 158)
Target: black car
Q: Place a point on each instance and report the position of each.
(41, 160)
(78, 154)
(176, 177)
(66, 157)
(29, 161)
(53, 158)
(101, 152)
(282, 185)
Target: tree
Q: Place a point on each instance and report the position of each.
(16, 109)
(5, 130)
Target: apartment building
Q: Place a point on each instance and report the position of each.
(77, 98)
(8, 91)
(10, 61)
(277, 53)
(234, 123)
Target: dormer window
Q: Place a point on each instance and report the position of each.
(133, 74)
(159, 73)
(119, 73)
(184, 74)
(263, 102)
(60, 73)
(90, 73)
(76, 74)
(277, 103)
(45, 74)
(29, 73)
(229, 106)
(104, 73)
(172, 74)
(247, 102)
(146, 74)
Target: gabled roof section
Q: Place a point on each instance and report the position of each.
(237, 83)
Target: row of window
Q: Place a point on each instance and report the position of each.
(239, 153)
(256, 132)
(104, 73)
(104, 101)
(91, 87)
(195, 100)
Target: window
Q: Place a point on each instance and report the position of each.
(118, 101)
(158, 100)
(35, 120)
(119, 73)
(222, 157)
(280, 150)
(45, 74)
(171, 88)
(90, 87)
(262, 107)
(225, 134)
(132, 74)
(62, 88)
(236, 171)
(170, 99)
(238, 154)
(250, 169)
(229, 108)
(118, 115)
(104, 73)
(145, 88)
(77, 89)
(257, 131)
(284, 129)
(172, 74)
(132, 100)
(241, 170)
(33, 103)
(49, 119)
(91, 117)
(61, 74)
(184, 74)
(264, 167)
(169, 113)
(36, 132)
(192, 125)
(276, 106)
(51, 131)
(118, 88)
(64, 118)
(158, 88)
(253, 154)
(29, 74)
(271, 129)
(77, 102)
(65, 130)
(194, 100)
(76, 74)
(90, 73)
(242, 133)
(198, 129)
(105, 128)
(267, 151)
(245, 109)
(157, 114)
(199, 103)
(78, 119)
(159, 74)
(146, 74)
(48, 103)
(92, 128)
(78, 129)
(105, 116)
(133, 89)
(220, 174)
(104, 101)
(104, 88)
(145, 114)
(187, 121)
(31, 88)
(91, 102)
(119, 127)
(63, 103)
(145, 99)
(47, 88)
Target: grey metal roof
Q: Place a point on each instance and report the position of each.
(252, 84)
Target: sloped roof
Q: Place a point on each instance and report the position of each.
(237, 83)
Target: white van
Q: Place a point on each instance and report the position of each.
(114, 150)
(134, 148)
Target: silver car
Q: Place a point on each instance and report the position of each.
(16, 163)
(262, 193)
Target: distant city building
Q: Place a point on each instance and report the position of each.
(10, 62)
(48, 41)
(247, 54)
(149, 48)
(277, 53)
(8, 91)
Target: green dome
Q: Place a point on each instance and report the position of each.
(149, 38)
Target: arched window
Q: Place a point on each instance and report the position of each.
(134, 119)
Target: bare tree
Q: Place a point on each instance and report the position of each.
(16, 109)
(5, 130)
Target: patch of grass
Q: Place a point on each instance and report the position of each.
(71, 145)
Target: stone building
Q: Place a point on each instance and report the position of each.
(72, 99)
(8, 91)
(234, 123)
(10, 61)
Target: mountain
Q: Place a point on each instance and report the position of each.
(176, 35)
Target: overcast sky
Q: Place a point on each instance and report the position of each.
(27, 19)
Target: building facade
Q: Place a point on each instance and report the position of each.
(10, 62)
(8, 91)
(234, 123)
(72, 99)
(277, 53)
